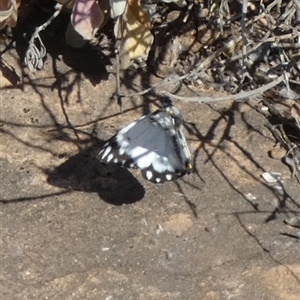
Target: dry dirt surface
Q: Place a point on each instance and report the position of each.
(72, 228)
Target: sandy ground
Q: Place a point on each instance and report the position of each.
(72, 228)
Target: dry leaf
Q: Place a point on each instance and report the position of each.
(86, 18)
(76, 40)
(133, 28)
(9, 12)
(180, 3)
(117, 7)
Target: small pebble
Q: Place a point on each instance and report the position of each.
(277, 153)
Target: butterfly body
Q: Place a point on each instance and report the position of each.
(154, 143)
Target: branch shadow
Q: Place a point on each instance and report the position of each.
(286, 203)
(229, 115)
(83, 172)
(265, 249)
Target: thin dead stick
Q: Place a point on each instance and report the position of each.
(59, 8)
(267, 40)
(118, 84)
(187, 14)
(164, 82)
(297, 4)
(243, 26)
(271, 5)
(245, 73)
(35, 53)
(228, 45)
(249, 22)
(239, 96)
(207, 62)
(287, 15)
(117, 52)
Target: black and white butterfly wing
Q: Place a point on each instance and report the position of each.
(154, 143)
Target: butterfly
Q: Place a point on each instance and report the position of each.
(155, 143)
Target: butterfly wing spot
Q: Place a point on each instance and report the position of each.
(149, 174)
(106, 150)
(109, 157)
(157, 180)
(115, 160)
(122, 150)
(169, 177)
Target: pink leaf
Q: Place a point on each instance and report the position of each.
(86, 18)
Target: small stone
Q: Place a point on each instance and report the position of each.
(277, 153)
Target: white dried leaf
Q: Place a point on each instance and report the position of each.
(271, 177)
(180, 3)
(117, 7)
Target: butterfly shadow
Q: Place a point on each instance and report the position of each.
(83, 172)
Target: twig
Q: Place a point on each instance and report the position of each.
(241, 95)
(164, 82)
(35, 53)
(206, 62)
(245, 42)
(118, 84)
(264, 40)
(297, 4)
(187, 14)
(271, 5)
(292, 156)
